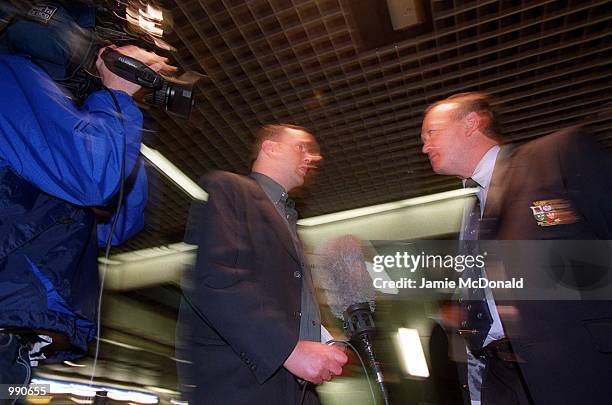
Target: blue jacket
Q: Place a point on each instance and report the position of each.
(57, 161)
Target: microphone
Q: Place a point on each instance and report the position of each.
(351, 296)
(345, 279)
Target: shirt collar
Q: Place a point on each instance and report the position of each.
(484, 169)
(275, 192)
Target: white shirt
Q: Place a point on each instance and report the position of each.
(482, 175)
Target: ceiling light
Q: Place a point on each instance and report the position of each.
(39, 400)
(71, 364)
(55, 387)
(150, 26)
(84, 394)
(118, 395)
(143, 398)
(173, 173)
(149, 19)
(412, 356)
(376, 209)
(83, 390)
(153, 13)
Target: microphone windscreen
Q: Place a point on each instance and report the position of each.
(344, 275)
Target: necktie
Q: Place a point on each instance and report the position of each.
(472, 224)
(478, 317)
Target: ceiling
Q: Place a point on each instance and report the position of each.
(338, 68)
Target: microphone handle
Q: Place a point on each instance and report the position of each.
(366, 345)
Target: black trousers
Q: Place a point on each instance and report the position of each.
(502, 384)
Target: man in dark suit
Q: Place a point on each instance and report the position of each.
(249, 322)
(558, 187)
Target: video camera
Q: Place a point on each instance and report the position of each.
(64, 37)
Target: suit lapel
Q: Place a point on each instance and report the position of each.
(497, 191)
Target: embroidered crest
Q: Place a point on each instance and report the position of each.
(553, 212)
(42, 13)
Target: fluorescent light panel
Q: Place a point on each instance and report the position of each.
(174, 173)
(379, 208)
(83, 393)
(413, 357)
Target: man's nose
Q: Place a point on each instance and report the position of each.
(313, 158)
(425, 148)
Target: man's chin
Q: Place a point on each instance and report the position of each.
(435, 168)
(438, 169)
(302, 180)
(296, 183)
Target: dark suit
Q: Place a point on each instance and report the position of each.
(565, 346)
(240, 316)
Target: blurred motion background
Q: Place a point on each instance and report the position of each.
(359, 74)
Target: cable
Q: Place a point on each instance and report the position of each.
(110, 236)
(303, 392)
(24, 363)
(365, 369)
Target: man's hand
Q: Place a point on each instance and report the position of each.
(315, 362)
(112, 81)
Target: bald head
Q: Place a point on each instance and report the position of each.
(462, 104)
(457, 132)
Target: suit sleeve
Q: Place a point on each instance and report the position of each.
(587, 169)
(227, 292)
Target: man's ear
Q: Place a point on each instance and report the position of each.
(472, 122)
(268, 147)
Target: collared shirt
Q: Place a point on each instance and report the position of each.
(280, 198)
(310, 318)
(482, 175)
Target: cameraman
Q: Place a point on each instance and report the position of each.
(57, 164)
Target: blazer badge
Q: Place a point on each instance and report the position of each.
(553, 212)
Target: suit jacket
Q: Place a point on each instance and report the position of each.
(565, 346)
(240, 316)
